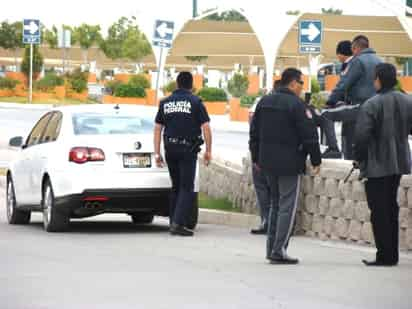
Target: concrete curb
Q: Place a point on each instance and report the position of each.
(26, 106)
(209, 216)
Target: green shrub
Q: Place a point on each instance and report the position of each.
(318, 100)
(170, 87)
(212, 94)
(238, 85)
(398, 86)
(113, 84)
(139, 80)
(248, 100)
(8, 83)
(49, 82)
(78, 80)
(315, 87)
(129, 91)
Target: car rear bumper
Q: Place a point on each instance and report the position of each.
(92, 202)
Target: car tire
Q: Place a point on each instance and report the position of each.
(14, 215)
(194, 215)
(142, 218)
(53, 219)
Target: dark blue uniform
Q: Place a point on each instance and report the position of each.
(182, 114)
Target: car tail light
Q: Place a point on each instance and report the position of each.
(86, 154)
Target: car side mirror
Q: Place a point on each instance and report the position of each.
(16, 142)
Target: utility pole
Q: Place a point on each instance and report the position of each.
(194, 8)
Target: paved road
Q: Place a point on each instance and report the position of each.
(109, 263)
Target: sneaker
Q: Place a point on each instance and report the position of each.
(332, 153)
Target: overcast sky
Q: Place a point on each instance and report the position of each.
(74, 12)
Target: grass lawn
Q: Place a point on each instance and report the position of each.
(217, 204)
(49, 101)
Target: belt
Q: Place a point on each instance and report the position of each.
(178, 141)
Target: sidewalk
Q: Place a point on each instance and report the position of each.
(223, 123)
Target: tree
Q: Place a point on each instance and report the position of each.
(226, 16)
(112, 45)
(238, 85)
(51, 37)
(332, 11)
(87, 36)
(37, 62)
(11, 37)
(135, 46)
(125, 41)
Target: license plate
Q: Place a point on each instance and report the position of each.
(137, 160)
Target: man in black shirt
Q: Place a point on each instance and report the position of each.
(182, 117)
(282, 133)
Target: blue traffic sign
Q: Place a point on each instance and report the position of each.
(31, 31)
(310, 36)
(163, 33)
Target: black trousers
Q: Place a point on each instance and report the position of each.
(182, 169)
(382, 200)
(327, 127)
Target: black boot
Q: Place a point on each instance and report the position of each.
(332, 153)
(180, 230)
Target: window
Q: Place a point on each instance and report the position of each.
(53, 128)
(100, 124)
(37, 132)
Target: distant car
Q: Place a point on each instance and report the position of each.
(81, 161)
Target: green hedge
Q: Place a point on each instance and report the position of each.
(238, 85)
(8, 83)
(139, 80)
(49, 82)
(129, 91)
(78, 80)
(248, 100)
(170, 87)
(212, 94)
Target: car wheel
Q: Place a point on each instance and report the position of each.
(194, 215)
(14, 215)
(53, 219)
(142, 218)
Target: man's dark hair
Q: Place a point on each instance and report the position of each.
(277, 84)
(184, 80)
(344, 48)
(360, 41)
(289, 75)
(386, 73)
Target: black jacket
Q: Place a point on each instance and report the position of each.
(381, 135)
(282, 133)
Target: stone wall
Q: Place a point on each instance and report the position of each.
(328, 208)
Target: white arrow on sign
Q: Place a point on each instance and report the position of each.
(312, 32)
(163, 30)
(32, 27)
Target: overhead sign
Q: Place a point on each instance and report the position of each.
(310, 36)
(31, 31)
(163, 33)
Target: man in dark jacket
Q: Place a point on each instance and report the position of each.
(354, 88)
(382, 150)
(282, 134)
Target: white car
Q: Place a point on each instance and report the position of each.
(81, 161)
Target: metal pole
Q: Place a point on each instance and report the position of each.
(310, 74)
(158, 74)
(194, 8)
(31, 75)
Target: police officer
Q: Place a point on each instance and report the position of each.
(282, 134)
(182, 117)
(355, 87)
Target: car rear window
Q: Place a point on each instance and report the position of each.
(100, 124)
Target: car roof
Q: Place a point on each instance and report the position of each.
(122, 109)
